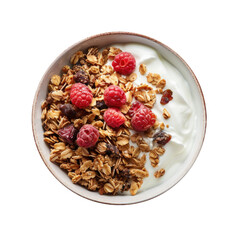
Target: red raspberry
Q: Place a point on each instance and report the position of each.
(114, 118)
(87, 136)
(80, 95)
(114, 96)
(68, 134)
(134, 108)
(143, 119)
(124, 63)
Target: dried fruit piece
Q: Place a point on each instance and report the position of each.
(143, 119)
(68, 133)
(162, 138)
(114, 96)
(124, 63)
(166, 96)
(114, 118)
(87, 136)
(124, 174)
(68, 110)
(80, 95)
(101, 105)
(81, 77)
(112, 150)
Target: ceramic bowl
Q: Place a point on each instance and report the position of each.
(102, 40)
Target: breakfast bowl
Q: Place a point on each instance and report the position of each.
(158, 71)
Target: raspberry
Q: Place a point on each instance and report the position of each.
(143, 119)
(124, 63)
(87, 136)
(134, 108)
(68, 134)
(114, 96)
(80, 95)
(114, 118)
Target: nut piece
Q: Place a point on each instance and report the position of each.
(142, 68)
(166, 114)
(159, 173)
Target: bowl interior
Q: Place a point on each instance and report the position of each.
(101, 41)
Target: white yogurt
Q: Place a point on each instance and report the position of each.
(182, 123)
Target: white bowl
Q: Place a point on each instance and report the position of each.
(102, 40)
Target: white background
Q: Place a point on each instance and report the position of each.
(204, 204)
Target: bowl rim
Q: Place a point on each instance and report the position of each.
(33, 120)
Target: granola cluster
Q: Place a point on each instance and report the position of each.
(117, 162)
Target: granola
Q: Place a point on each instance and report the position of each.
(117, 162)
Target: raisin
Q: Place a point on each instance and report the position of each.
(162, 138)
(124, 174)
(68, 110)
(126, 186)
(166, 96)
(81, 77)
(68, 134)
(112, 150)
(101, 105)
